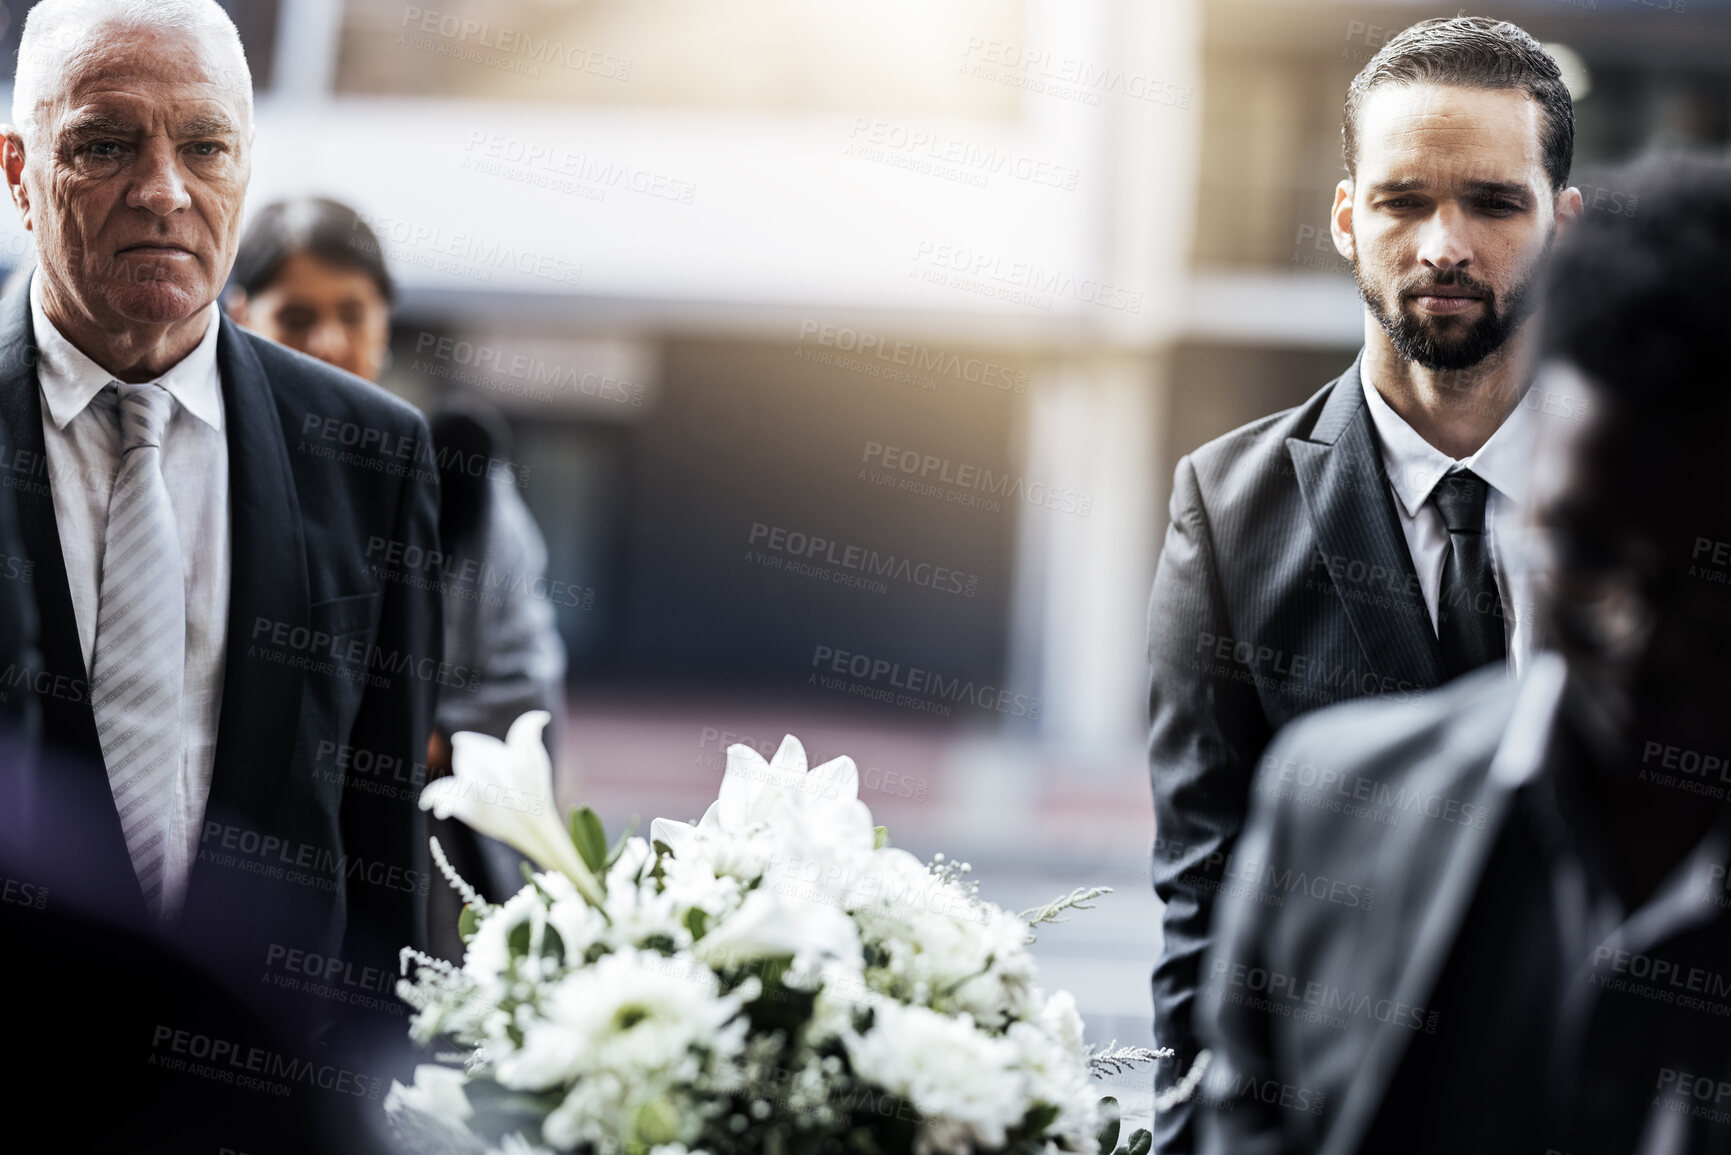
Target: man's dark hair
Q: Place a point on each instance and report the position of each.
(1470, 52)
(326, 229)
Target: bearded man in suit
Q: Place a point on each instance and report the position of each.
(1363, 544)
(222, 674)
(1543, 967)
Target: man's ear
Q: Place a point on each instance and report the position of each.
(12, 162)
(1340, 222)
(1568, 208)
(235, 304)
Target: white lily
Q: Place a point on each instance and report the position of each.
(505, 791)
(821, 802)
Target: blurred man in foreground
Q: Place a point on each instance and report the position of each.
(1543, 967)
(1361, 544)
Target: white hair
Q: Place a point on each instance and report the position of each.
(57, 33)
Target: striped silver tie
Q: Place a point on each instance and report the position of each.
(137, 669)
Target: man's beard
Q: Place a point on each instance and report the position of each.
(1419, 338)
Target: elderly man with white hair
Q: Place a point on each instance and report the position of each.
(239, 689)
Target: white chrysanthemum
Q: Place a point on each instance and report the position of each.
(842, 995)
(637, 915)
(642, 1051)
(1009, 989)
(1060, 1019)
(938, 946)
(698, 882)
(487, 955)
(741, 855)
(1055, 1076)
(612, 1113)
(964, 1082)
(629, 1013)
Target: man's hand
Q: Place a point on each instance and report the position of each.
(438, 756)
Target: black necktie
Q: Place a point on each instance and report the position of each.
(1469, 611)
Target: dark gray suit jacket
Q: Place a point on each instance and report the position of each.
(1311, 1003)
(1285, 584)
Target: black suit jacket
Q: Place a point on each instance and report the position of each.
(1645, 1066)
(1285, 584)
(66, 1010)
(308, 845)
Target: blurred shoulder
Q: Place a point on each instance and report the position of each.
(1437, 743)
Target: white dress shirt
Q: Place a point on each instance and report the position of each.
(83, 458)
(1414, 466)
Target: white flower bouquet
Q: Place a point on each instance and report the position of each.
(774, 978)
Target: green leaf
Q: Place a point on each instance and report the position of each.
(697, 922)
(468, 923)
(1141, 1141)
(881, 837)
(1039, 1118)
(589, 838)
(1110, 1118)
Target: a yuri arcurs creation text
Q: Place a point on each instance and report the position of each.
(773, 978)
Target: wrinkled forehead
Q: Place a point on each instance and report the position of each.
(139, 69)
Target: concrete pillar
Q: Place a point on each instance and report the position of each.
(1083, 578)
(1096, 411)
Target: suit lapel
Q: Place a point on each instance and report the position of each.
(1525, 744)
(1340, 473)
(267, 583)
(82, 810)
(67, 718)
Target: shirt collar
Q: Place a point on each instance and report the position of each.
(1414, 465)
(1503, 461)
(70, 380)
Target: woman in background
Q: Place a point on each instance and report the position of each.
(311, 275)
